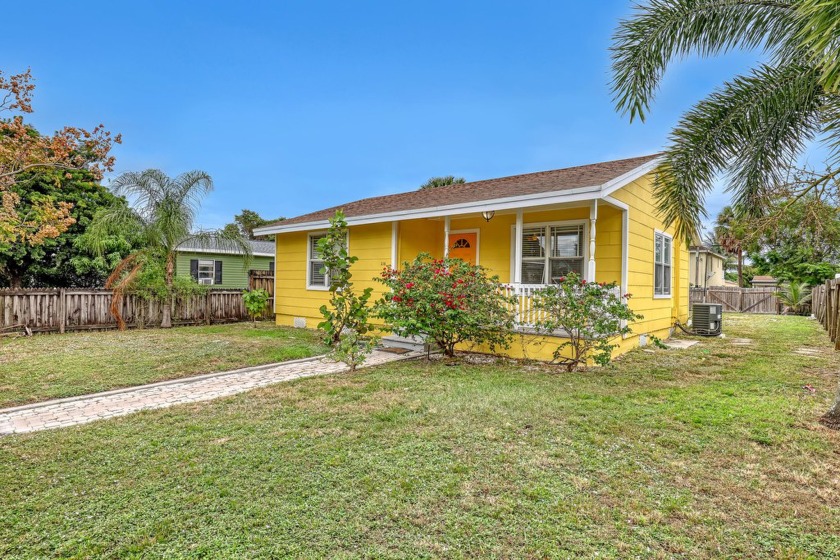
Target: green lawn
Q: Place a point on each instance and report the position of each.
(709, 452)
(52, 366)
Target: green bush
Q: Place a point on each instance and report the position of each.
(590, 314)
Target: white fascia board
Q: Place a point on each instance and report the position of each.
(611, 186)
(222, 252)
(507, 203)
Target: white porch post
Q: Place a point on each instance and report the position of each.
(394, 239)
(593, 217)
(517, 251)
(446, 237)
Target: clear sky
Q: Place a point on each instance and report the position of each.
(296, 106)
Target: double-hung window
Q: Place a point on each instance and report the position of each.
(662, 264)
(551, 252)
(206, 272)
(316, 276)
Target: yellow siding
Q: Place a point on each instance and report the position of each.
(372, 244)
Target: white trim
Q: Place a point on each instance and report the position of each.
(517, 249)
(517, 265)
(625, 241)
(478, 206)
(394, 239)
(447, 221)
(221, 252)
(309, 285)
(613, 185)
(477, 233)
(593, 218)
(670, 294)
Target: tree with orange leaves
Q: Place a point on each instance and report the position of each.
(22, 148)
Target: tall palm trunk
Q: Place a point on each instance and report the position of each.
(166, 320)
(740, 267)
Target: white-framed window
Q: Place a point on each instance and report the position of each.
(316, 277)
(552, 251)
(662, 255)
(206, 272)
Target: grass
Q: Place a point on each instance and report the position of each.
(708, 452)
(53, 366)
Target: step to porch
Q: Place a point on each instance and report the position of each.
(414, 343)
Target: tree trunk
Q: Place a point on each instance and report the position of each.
(831, 419)
(15, 281)
(166, 319)
(740, 267)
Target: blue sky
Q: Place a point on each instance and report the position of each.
(295, 106)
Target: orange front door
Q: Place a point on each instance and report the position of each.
(464, 246)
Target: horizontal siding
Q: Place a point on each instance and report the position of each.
(234, 270)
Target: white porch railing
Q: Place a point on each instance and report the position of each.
(527, 316)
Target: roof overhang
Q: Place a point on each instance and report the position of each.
(580, 194)
(222, 252)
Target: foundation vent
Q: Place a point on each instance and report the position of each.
(299, 322)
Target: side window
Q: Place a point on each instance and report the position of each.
(662, 264)
(316, 276)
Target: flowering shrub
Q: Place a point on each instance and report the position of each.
(590, 313)
(449, 301)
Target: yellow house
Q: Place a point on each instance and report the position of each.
(599, 220)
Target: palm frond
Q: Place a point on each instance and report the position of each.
(754, 126)
(819, 33)
(665, 30)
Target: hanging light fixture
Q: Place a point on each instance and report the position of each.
(488, 214)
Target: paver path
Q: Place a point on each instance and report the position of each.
(87, 408)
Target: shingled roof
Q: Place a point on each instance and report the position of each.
(558, 180)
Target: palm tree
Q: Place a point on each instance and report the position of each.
(163, 215)
(794, 295)
(435, 182)
(754, 126)
(730, 234)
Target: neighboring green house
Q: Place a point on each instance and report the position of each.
(222, 268)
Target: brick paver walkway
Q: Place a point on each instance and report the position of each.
(88, 408)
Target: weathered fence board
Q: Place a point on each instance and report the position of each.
(53, 310)
(741, 300)
(263, 280)
(825, 305)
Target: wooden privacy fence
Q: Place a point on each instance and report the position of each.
(60, 310)
(742, 300)
(263, 280)
(825, 305)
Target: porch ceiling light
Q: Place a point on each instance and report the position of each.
(488, 214)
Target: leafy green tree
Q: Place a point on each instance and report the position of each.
(449, 301)
(162, 216)
(247, 221)
(753, 126)
(346, 318)
(347, 309)
(435, 182)
(60, 261)
(589, 314)
(255, 303)
(799, 244)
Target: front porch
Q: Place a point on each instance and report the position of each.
(527, 248)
